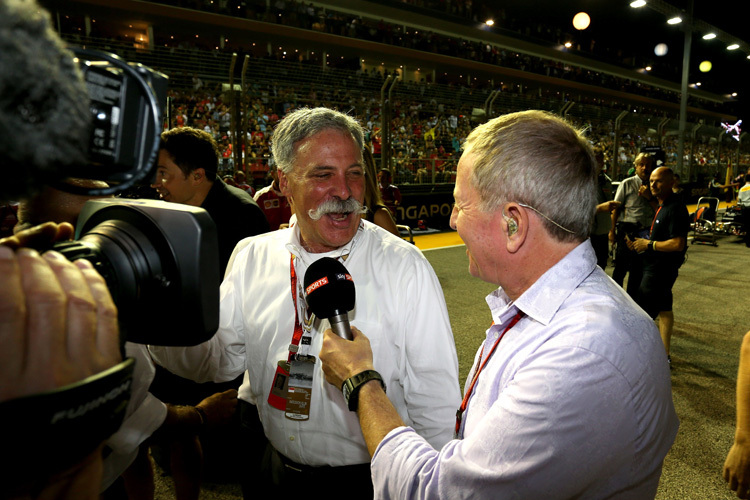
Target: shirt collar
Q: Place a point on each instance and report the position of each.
(217, 187)
(542, 299)
(294, 245)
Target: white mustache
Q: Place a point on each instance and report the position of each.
(336, 206)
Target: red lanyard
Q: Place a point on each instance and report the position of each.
(297, 336)
(465, 402)
(654, 221)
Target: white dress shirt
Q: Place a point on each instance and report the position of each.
(145, 414)
(576, 402)
(399, 306)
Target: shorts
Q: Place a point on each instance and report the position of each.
(655, 292)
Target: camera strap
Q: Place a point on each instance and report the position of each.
(52, 431)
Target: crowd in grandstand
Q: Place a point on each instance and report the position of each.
(307, 16)
(426, 138)
(427, 130)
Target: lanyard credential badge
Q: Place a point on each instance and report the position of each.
(300, 388)
(292, 383)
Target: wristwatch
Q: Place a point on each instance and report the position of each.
(352, 385)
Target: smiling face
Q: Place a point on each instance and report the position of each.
(479, 230)
(327, 166)
(171, 183)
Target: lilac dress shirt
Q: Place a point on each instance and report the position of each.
(576, 402)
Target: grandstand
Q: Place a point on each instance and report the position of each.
(446, 75)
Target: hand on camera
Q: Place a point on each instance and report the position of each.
(40, 237)
(58, 324)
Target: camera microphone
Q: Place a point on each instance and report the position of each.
(330, 293)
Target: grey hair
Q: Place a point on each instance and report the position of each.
(538, 159)
(44, 104)
(305, 122)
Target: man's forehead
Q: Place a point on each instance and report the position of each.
(463, 170)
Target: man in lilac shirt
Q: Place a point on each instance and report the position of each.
(572, 397)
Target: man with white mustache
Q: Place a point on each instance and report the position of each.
(399, 302)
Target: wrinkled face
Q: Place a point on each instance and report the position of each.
(328, 166)
(479, 230)
(171, 184)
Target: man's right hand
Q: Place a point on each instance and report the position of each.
(219, 408)
(343, 358)
(58, 324)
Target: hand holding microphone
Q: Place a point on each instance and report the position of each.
(330, 294)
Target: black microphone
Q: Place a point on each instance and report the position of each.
(329, 289)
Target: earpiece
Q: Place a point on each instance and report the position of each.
(512, 225)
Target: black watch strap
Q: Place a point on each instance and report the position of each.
(352, 385)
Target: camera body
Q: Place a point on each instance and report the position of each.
(126, 103)
(161, 264)
(160, 260)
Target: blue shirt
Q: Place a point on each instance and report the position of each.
(575, 402)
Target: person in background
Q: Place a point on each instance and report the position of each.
(390, 192)
(186, 172)
(663, 253)
(631, 219)
(605, 206)
(737, 464)
(240, 180)
(272, 201)
(743, 200)
(377, 212)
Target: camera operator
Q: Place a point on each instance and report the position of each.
(58, 323)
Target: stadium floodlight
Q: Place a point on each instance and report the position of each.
(674, 20)
(734, 46)
(709, 36)
(638, 4)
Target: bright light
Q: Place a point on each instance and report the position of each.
(568, 45)
(674, 20)
(581, 21)
(661, 49)
(489, 22)
(648, 68)
(734, 46)
(705, 66)
(709, 36)
(697, 84)
(638, 3)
